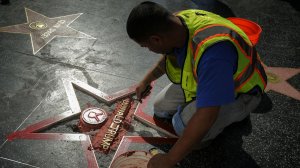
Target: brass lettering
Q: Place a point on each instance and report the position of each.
(112, 126)
(104, 146)
(112, 132)
(48, 33)
(117, 120)
(120, 112)
(108, 137)
(106, 141)
(119, 116)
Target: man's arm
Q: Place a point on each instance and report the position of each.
(157, 71)
(196, 129)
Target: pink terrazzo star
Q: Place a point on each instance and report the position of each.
(277, 80)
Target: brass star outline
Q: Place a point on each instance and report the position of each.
(34, 131)
(277, 80)
(43, 29)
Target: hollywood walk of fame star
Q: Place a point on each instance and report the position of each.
(43, 29)
(34, 131)
(277, 80)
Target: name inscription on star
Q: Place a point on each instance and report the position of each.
(51, 30)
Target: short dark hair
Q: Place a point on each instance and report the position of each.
(146, 19)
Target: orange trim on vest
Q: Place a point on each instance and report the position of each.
(238, 88)
(249, 57)
(195, 74)
(242, 73)
(197, 31)
(234, 40)
(213, 25)
(217, 35)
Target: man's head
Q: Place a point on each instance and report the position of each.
(150, 24)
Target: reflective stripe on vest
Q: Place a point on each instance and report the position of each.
(254, 66)
(208, 32)
(215, 29)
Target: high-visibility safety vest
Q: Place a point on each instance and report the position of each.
(206, 29)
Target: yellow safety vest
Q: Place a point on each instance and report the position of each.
(206, 29)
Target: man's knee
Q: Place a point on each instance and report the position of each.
(164, 108)
(159, 110)
(178, 124)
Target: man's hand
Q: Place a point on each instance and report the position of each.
(139, 90)
(197, 127)
(142, 90)
(160, 161)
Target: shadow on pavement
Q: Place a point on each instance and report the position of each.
(226, 150)
(265, 105)
(294, 4)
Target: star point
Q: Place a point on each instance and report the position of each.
(277, 80)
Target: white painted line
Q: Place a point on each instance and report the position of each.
(93, 151)
(25, 120)
(18, 162)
